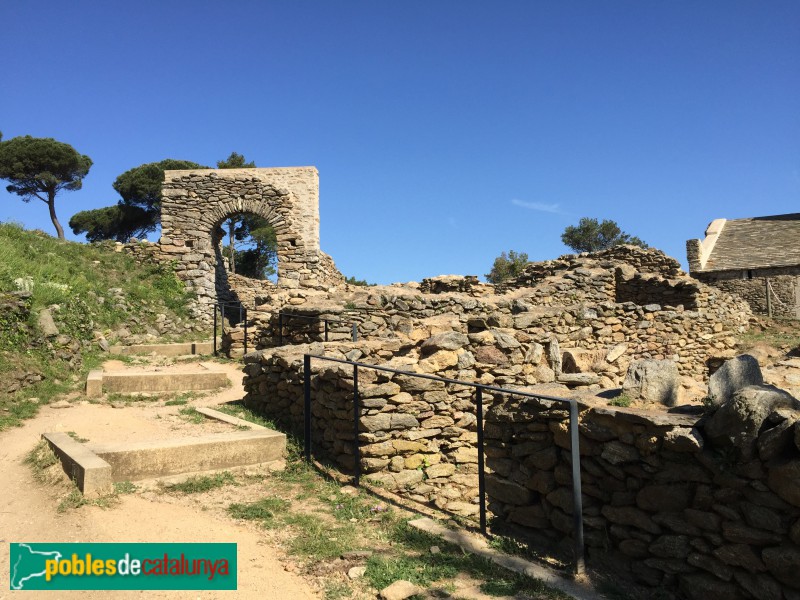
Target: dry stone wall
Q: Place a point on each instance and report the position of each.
(589, 303)
(669, 499)
(662, 503)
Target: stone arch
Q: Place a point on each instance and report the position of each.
(195, 202)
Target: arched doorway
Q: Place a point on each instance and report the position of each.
(196, 202)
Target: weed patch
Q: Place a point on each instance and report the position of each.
(202, 483)
(125, 487)
(263, 510)
(77, 438)
(192, 415)
(623, 400)
(40, 460)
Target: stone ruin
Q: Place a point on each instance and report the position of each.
(693, 501)
(196, 202)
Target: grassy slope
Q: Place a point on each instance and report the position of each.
(76, 278)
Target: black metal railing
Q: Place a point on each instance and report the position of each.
(284, 317)
(233, 308)
(479, 389)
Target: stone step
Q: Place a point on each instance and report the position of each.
(99, 382)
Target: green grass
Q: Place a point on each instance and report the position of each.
(125, 487)
(318, 540)
(190, 414)
(76, 278)
(264, 510)
(775, 338)
(72, 501)
(418, 565)
(77, 275)
(77, 438)
(202, 483)
(40, 459)
(322, 522)
(176, 402)
(337, 590)
(238, 409)
(623, 400)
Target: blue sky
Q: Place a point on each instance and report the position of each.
(444, 132)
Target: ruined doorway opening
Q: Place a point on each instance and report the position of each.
(250, 247)
(246, 261)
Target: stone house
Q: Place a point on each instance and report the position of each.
(756, 258)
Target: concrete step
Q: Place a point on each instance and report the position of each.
(179, 349)
(134, 381)
(148, 460)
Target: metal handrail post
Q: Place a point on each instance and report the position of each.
(580, 565)
(357, 446)
(215, 330)
(481, 468)
(245, 331)
(326, 328)
(577, 502)
(307, 406)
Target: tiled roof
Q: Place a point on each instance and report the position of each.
(757, 243)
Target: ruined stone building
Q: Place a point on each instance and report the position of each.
(757, 258)
(668, 497)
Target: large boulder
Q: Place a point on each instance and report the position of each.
(737, 423)
(733, 375)
(653, 381)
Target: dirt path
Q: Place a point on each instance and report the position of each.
(28, 510)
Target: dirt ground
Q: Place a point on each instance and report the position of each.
(28, 509)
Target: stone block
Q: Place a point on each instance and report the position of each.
(91, 473)
(733, 375)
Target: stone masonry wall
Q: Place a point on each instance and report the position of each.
(664, 503)
(661, 503)
(753, 291)
(588, 304)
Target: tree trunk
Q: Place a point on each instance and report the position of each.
(231, 245)
(51, 204)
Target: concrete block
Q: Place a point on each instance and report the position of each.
(148, 460)
(202, 347)
(90, 473)
(94, 384)
(129, 382)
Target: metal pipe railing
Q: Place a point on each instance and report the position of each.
(220, 307)
(325, 321)
(479, 389)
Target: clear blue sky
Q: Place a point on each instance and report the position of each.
(444, 132)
